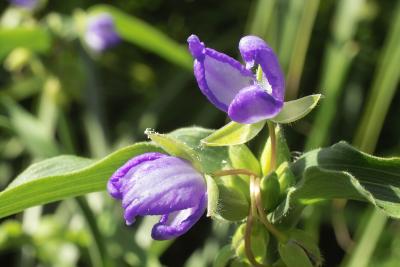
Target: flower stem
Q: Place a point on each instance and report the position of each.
(249, 227)
(272, 136)
(247, 242)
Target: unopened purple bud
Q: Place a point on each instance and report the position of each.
(101, 33)
(29, 4)
(158, 184)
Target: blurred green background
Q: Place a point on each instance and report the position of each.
(58, 97)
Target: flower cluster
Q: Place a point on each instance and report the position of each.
(158, 184)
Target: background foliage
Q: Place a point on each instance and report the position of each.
(57, 97)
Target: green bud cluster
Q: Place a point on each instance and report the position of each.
(259, 243)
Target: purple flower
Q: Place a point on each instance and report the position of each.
(232, 87)
(101, 33)
(158, 184)
(29, 4)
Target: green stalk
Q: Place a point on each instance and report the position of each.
(382, 92)
(337, 60)
(93, 118)
(98, 254)
(260, 17)
(291, 24)
(299, 47)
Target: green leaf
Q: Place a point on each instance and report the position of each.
(233, 134)
(64, 176)
(175, 147)
(33, 38)
(296, 109)
(212, 195)
(341, 171)
(146, 36)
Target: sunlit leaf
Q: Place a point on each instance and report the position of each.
(33, 38)
(62, 177)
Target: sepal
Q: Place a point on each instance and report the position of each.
(297, 109)
(175, 147)
(233, 133)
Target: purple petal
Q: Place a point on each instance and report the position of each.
(253, 104)
(179, 222)
(161, 186)
(219, 76)
(101, 33)
(114, 183)
(255, 51)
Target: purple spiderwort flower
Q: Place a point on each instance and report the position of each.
(28, 4)
(159, 184)
(101, 33)
(232, 87)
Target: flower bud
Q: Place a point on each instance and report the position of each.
(282, 151)
(101, 32)
(17, 59)
(259, 242)
(270, 191)
(285, 177)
